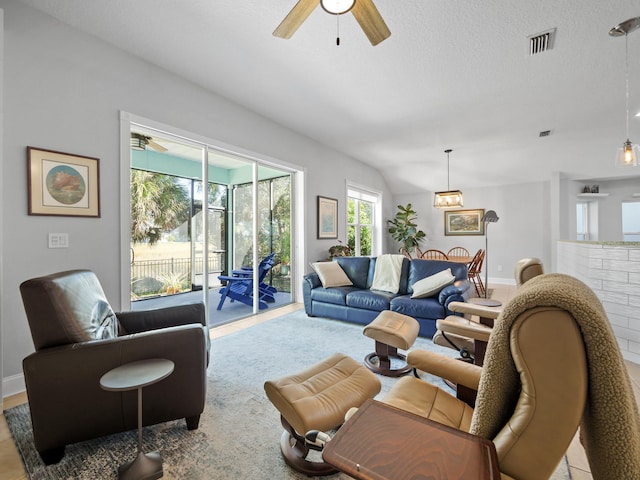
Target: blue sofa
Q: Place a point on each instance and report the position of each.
(359, 304)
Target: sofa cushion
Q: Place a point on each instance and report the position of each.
(431, 285)
(331, 274)
(357, 269)
(420, 269)
(370, 299)
(418, 307)
(335, 295)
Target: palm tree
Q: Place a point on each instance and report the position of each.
(158, 204)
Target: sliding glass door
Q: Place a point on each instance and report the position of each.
(185, 236)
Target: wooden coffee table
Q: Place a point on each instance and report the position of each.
(381, 442)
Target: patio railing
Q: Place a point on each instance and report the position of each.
(150, 277)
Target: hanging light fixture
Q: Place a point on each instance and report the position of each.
(627, 155)
(450, 198)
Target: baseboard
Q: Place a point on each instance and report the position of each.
(13, 385)
(501, 281)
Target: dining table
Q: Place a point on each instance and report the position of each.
(466, 259)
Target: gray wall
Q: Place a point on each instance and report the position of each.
(523, 229)
(64, 90)
(533, 216)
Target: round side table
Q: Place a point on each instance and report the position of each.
(137, 375)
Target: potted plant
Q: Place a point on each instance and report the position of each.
(340, 250)
(173, 283)
(404, 229)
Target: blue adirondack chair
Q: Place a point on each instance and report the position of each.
(240, 286)
(267, 261)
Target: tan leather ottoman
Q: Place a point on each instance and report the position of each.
(391, 331)
(318, 399)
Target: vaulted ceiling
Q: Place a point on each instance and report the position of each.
(453, 74)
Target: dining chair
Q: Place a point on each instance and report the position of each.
(458, 252)
(475, 271)
(433, 254)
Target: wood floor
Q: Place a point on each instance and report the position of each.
(11, 465)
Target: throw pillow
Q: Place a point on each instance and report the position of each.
(331, 274)
(431, 285)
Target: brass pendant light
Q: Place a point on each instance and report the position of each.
(449, 198)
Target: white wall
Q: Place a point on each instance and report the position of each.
(609, 208)
(523, 229)
(64, 90)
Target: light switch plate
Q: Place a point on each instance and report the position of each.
(58, 240)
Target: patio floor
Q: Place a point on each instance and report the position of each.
(230, 312)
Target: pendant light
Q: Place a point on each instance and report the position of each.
(627, 155)
(450, 198)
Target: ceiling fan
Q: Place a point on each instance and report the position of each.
(364, 11)
(140, 142)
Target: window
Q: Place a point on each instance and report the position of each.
(631, 221)
(582, 221)
(362, 212)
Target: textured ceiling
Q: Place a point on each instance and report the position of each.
(453, 74)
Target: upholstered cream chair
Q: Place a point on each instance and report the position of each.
(469, 333)
(526, 269)
(553, 365)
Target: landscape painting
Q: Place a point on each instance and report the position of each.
(464, 222)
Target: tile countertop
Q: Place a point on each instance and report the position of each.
(606, 244)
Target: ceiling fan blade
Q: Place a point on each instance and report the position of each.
(156, 146)
(295, 18)
(370, 21)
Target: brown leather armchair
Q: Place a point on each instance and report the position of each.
(553, 365)
(78, 338)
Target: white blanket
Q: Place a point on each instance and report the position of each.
(386, 276)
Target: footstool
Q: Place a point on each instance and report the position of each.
(390, 330)
(318, 399)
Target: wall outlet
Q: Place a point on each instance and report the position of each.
(499, 268)
(58, 240)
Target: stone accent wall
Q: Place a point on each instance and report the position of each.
(612, 270)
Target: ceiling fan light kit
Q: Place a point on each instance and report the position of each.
(364, 11)
(337, 7)
(627, 155)
(449, 198)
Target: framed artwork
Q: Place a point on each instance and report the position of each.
(327, 217)
(63, 184)
(464, 222)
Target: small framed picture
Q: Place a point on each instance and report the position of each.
(327, 217)
(464, 222)
(63, 183)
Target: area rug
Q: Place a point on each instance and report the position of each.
(240, 429)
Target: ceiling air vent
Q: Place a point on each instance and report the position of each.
(545, 133)
(541, 42)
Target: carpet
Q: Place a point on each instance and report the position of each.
(240, 429)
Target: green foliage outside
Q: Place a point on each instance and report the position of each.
(364, 226)
(159, 203)
(274, 227)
